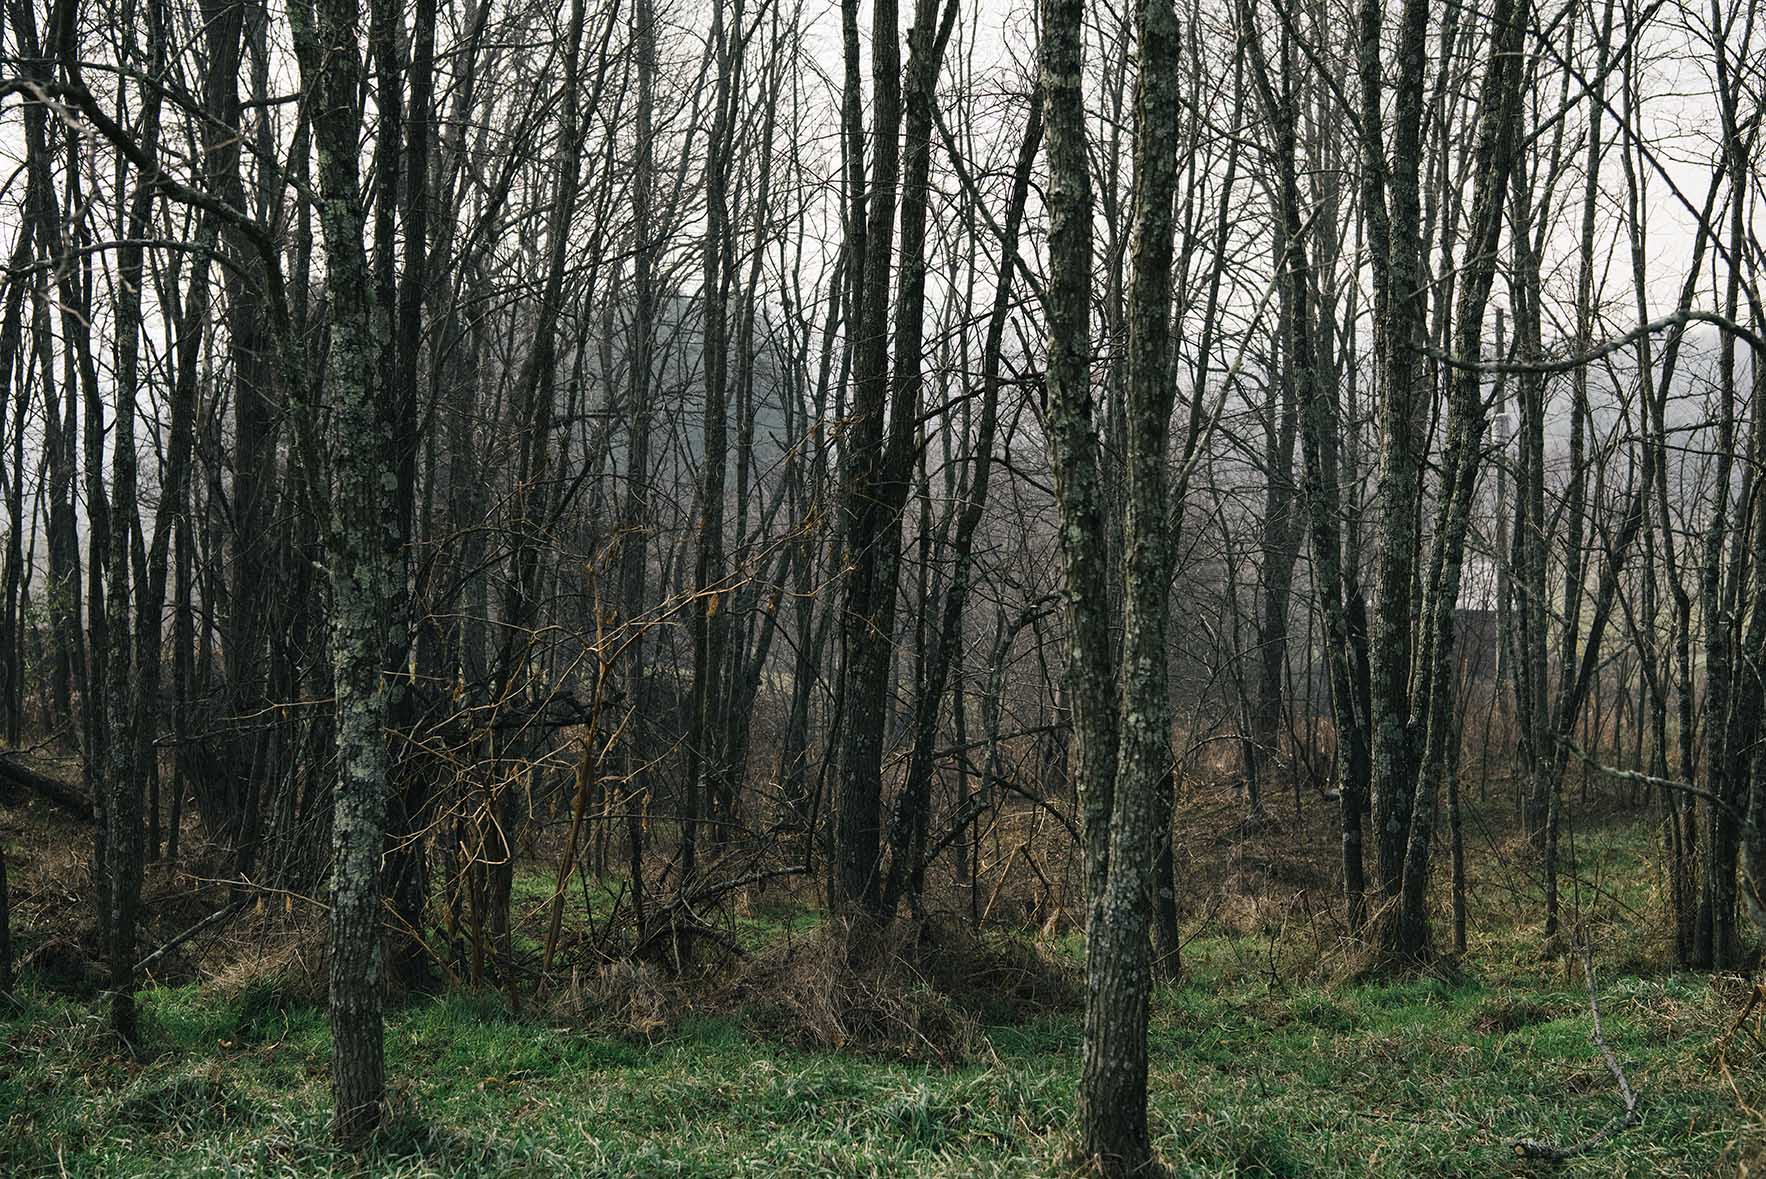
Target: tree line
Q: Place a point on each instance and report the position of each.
(722, 441)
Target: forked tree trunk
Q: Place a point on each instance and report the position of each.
(1124, 741)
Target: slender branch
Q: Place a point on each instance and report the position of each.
(1534, 1148)
(1565, 364)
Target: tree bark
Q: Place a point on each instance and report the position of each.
(362, 574)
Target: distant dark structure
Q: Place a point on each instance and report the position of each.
(1479, 641)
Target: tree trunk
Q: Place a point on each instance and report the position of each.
(362, 575)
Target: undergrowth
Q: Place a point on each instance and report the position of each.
(1266, 1061)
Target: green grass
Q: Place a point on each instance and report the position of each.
(1413, 1078)
(1253, 1074)
(586, 910)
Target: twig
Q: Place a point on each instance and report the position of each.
(1533, 1148)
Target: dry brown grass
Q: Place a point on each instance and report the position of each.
(913, 990)
(290, 962)
(629, 998)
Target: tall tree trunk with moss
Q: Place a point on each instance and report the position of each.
(635, 519)
(325, 38)
(867, 621)
(407, 184)
(1499, 108)
(1753, 703)
(124, 778)
(1120, 782)
(1319, 493)
(241, 602)
(880, 464)
(908, 830)
(1735, 689)
(707, 771)
(16, 390)
(1072, 438)
(1391, 204)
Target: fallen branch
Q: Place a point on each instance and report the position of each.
(1643, 779)
(1533, 1148)
(213, 919)
(62, 795)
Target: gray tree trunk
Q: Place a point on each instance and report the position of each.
(362, 574)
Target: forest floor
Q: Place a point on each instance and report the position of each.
(1271, 1057)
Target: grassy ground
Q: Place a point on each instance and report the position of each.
(1262, 1065)
(1422, 1077)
